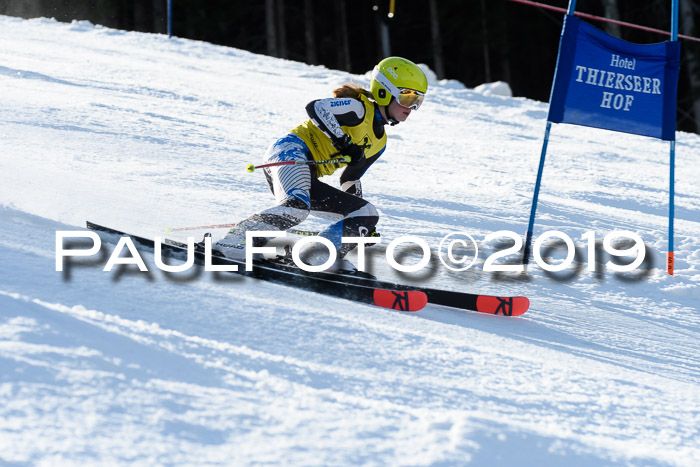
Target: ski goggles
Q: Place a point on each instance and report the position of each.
(410, 98)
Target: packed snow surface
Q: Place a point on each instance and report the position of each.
(141, 132)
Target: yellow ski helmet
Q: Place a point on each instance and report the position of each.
(401, 78)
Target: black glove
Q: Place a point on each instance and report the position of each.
(347, 148)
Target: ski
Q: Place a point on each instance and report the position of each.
(490, 304)
(293, 231)
(403, 299)
(168, 230)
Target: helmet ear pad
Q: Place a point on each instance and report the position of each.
(380, 94)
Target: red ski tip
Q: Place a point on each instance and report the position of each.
(401, 300)
(507, 306)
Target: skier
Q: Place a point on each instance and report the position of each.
(351, 124)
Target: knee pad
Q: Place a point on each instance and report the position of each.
(284, 215)
(292, 210)
(297, 198)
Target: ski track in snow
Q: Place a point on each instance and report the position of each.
(140, 132)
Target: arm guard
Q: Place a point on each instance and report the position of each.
(330, 114)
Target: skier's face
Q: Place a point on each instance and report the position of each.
(397, 112)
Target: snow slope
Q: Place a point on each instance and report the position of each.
(140, 132)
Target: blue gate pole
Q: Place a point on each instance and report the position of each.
(669, 255)
(674, 20)
(170, 19)
(535, 196)
(672, 161)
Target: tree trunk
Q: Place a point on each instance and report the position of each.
(126, 16)
(612, 12)
(385, 40)
(503, 45)
(270, 28)
(382, 32)
(343, 40)
(436, 39)
(309, 33)
(485, 43)
(142, 18)
(692, 60)
(160, 16)
(281, 29)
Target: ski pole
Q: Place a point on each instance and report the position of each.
(199, 227)
(251, 168)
